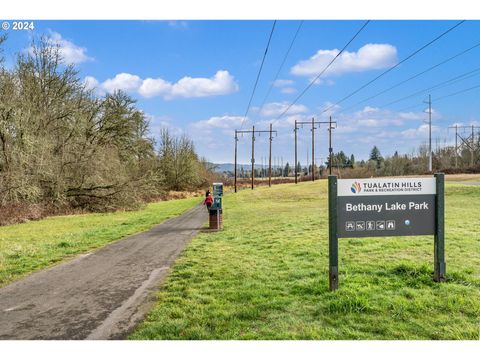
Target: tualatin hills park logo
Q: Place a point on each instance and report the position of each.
(356, 187)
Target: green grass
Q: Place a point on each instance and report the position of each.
(31, 246)
(266, 276)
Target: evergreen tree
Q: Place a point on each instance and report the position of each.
(375, 154)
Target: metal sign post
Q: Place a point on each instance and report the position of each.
(439, 239)
(386, 207)
(332, 236)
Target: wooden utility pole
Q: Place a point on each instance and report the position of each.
(296, 161)
(330, 149)
(235, 171)
(253, 132)
(472, 149)
(253, 155)
(429, 102)
(313, 123)
(270, 159)
(429, 132)
(313, 149)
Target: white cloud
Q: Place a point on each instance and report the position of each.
(154, 87)
(157, 123)
(411, 115)
(368, 57)
(221, 83)
(420, 132)
(370, 109)
(332, 108)
(288, 90)
(122, 81)
(70, 53)
(281, 82)
(90, 83)
(219, 122)
(369, 122)
(277, 108)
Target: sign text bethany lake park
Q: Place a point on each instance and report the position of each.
(386, 207)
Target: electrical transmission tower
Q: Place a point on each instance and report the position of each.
(466, 142)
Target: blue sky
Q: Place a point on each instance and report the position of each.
(197, 76)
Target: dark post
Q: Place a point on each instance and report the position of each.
(253, 155)
(313, 149)
(330, 149)
(236, 141)
(473, 146)
(439, 239)
(332, 232)
(429, 132)
(296, 161)
(456, 147)
(270, 159)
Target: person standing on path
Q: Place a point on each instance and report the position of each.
(208, 200)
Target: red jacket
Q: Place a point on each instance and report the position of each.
(208, 200)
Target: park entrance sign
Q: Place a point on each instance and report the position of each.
(386, 207)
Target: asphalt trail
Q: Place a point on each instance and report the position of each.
(100, 295)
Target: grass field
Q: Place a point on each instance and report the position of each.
(266, 276)
(27, 247)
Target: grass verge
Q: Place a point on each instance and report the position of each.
(31, 246)
(266, 276)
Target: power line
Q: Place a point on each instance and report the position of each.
(258, 75)
(325, 69)
(394, 66)
(413, 76)
(457, 93)
(451, 81)
(281, 65)
(441, 97)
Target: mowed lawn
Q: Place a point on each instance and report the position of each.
(31, 246)
(266, 276)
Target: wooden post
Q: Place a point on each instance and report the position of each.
(270, 159)
(332, 233)
(296, 161)
(253, 156)
(439, 267)
(313, 149)
(236, 141)
(330, 149)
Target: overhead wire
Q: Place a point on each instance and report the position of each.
(258, 74)
(456, 79)
(413, 77)
(325, 69)
(393, 67)
(281, 66)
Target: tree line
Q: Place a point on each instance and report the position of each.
(63, 145)
(445, 159)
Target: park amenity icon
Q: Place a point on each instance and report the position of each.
(356, 187)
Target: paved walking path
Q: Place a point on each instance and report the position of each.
(101, 295)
